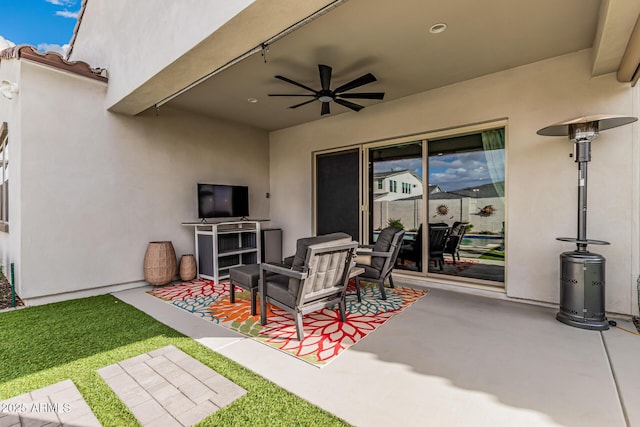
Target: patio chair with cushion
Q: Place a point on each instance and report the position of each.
(383, 257)
(318, 278)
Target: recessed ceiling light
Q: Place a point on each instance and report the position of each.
(253, 100)
(438, 28)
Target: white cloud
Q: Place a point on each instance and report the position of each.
(67, 14)
(4, 43)
(62, 2)
(48, 47)
(461, 170)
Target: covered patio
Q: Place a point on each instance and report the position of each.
(451, 359)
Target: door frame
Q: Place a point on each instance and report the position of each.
(423, 137)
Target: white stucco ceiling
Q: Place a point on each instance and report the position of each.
(391, 39)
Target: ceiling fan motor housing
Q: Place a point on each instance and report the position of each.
(326, 96)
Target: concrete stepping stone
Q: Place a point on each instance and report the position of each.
(55, 405)
(167, 387)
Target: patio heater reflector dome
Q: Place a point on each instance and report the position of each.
(582, 273)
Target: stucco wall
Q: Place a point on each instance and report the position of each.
(98, 186)
(541, 193)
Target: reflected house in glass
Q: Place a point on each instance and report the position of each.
(398, 195)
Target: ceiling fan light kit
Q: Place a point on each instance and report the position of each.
(325, 95)
(582, 273)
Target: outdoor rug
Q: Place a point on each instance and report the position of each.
(459, 266)
(325, 336)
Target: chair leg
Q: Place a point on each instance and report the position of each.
(343, 310)
(232, 292)
(391, 285)
(263, 308)
(299, 328)
(358, 289)
(382, 292)
(254, 294)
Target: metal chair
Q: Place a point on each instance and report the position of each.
(452, 246)
(438, 234)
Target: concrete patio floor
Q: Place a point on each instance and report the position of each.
(451, 359)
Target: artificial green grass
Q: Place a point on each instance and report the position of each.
(493, 254)
(44, 345)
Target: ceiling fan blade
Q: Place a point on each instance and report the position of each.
(291, 94)
(302, 103)
(360, 81)
(284, 79)
(354, 107)
(325, 109)
(325, 76)
(363, 95)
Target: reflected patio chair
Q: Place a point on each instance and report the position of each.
(455, 237)
(412, 250)
(438, 234)
(383, 258)
(318, 278)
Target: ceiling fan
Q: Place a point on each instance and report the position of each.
(337, 95)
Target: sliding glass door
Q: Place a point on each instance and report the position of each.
(445, 189)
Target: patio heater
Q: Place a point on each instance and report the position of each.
(582, 273)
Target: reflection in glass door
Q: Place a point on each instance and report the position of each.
(466, 206)
(396, 198)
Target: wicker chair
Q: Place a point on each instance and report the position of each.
(317, 279)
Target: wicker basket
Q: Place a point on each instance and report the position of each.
(187, 267)
(159, 263)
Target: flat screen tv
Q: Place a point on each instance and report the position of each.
(222, 201)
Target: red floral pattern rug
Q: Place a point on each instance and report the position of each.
(325, 335)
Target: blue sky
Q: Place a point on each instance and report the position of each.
(45, 24)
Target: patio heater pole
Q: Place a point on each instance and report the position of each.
(582, 273)
(582, 153)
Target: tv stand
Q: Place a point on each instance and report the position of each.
(220, 246)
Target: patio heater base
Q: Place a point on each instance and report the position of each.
(582, 281)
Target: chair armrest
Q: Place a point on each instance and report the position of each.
(283, 270)
(288, 261)
(382, 254)
(366, 246)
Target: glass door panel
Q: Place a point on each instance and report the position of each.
(396, 198)
(466, 193)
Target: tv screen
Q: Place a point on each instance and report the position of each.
(222, 201)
